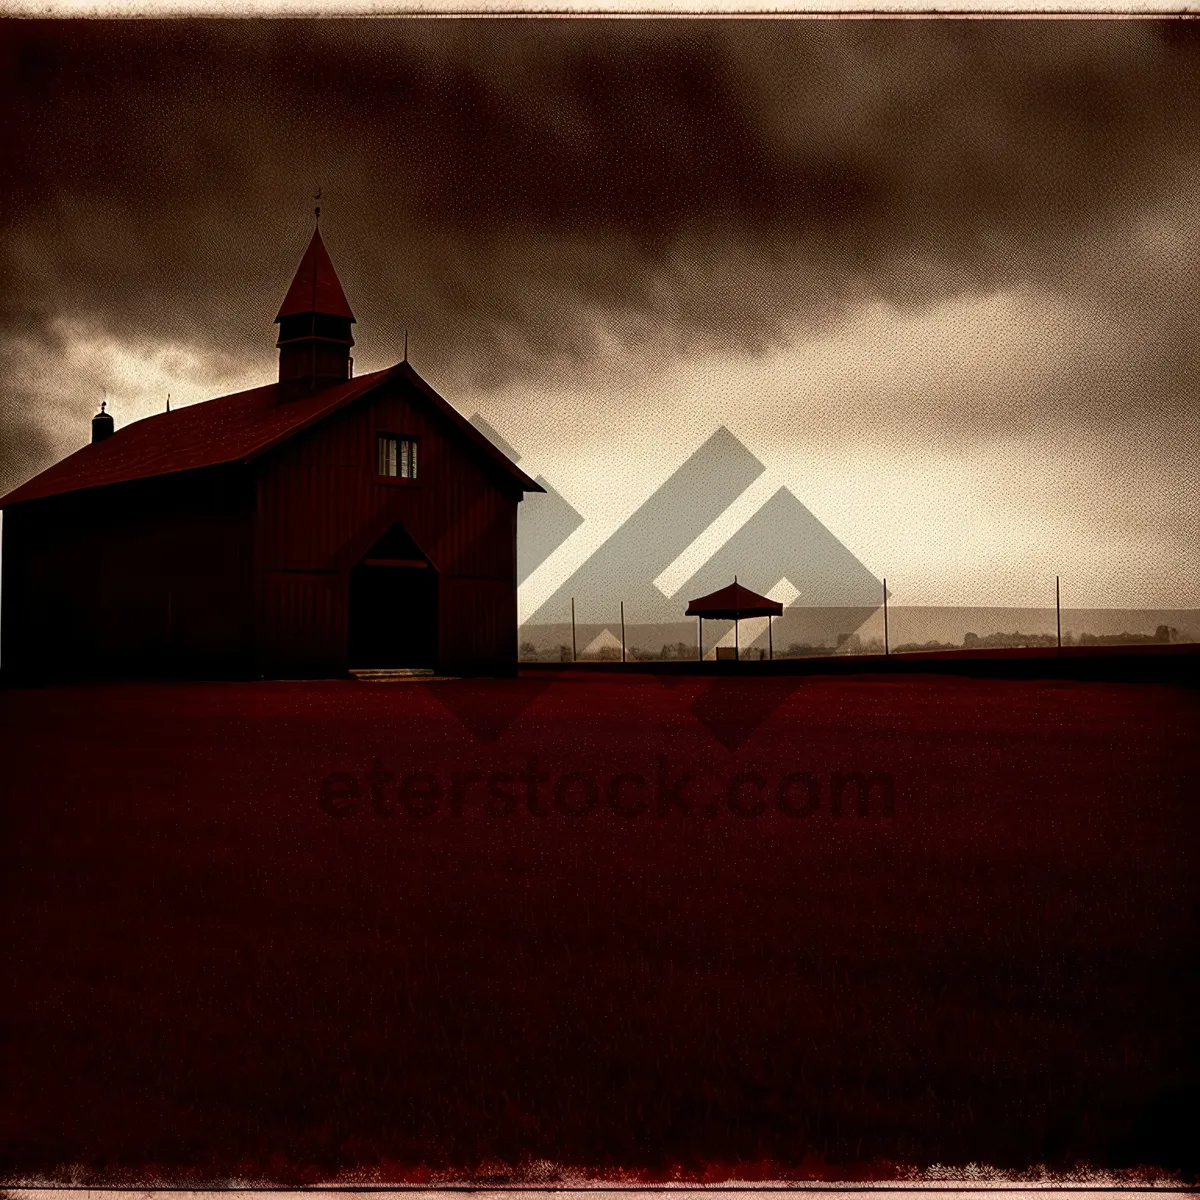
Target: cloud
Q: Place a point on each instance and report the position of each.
(526, 196)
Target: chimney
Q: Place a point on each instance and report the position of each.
(102, 424)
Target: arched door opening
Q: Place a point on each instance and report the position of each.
(393, 616)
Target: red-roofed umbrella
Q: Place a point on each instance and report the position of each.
(733, 603)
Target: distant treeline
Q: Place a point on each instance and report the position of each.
(854, 644)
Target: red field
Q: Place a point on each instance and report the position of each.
(286, 930)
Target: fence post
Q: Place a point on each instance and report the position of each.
(574, 652)
(886, 648)
(622, 630)
(1058, 614)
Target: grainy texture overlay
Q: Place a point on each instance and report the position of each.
(940, 276)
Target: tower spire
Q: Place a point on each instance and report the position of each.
(314, 323)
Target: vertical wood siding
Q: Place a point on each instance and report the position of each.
(321, 505)
(150, 577)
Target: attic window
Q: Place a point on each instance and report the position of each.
(398, 457)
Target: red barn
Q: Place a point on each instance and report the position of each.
(320, 523)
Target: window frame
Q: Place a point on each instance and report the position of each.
(397, 480)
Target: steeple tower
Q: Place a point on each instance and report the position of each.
(314, 326)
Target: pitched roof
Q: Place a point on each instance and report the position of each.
(316, 287)
(229, 429)
(732, 603)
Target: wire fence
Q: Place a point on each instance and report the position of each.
(586, 632)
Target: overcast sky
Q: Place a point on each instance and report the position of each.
(941, 277)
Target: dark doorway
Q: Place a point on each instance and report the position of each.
(393, 606)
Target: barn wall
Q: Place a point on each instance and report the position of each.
(153, 577)
(321, 505)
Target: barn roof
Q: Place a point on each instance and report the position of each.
(230, 429)
(316, 287)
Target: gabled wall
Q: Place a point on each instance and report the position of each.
(320, 506)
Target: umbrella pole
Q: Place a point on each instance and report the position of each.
(770, 642)
(737, 654)
(700, 636)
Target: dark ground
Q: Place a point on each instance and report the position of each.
(208, 974)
